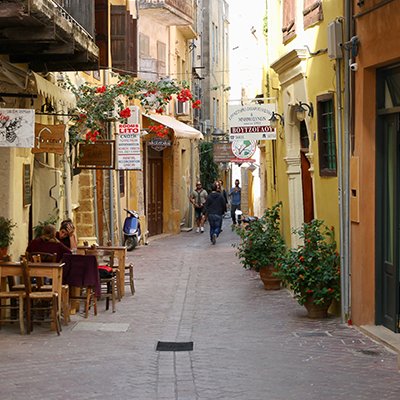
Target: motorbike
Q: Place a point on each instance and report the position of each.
(132, 231)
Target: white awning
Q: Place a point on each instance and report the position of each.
(181, 130)
(54, 92)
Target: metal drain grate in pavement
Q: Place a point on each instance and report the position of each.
(174, 346)
(307, 334)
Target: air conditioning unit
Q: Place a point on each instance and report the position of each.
(335, 40)
(182, 108)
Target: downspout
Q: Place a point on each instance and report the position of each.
(346, 291)
(341, 191)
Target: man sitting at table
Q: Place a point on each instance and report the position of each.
(66, 234)
(48, 243)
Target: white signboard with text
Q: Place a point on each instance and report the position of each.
(17, 127)
(251, 122)
(128, 147)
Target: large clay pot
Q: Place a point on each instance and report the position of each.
(316, 311)
(3, 252)
(269, 280)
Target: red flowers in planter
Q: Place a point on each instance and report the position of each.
(92, 136)
(101, 89)
(196, 104)
(125, 113)
(160, 130)
(184, 95)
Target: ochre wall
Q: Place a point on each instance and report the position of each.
(379, 35)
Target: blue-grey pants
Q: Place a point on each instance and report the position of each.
(215, 222)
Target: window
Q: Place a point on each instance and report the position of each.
(144, 45)
(326, 135)
(161, 58)
(122, 183)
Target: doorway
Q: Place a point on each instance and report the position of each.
(306, 179)
(388, 222)
(155, 192)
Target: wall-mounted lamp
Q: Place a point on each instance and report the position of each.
(273, 121)
(301, 111)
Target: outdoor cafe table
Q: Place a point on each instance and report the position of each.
(120, 255)
(40, 270)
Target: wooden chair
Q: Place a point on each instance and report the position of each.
(11, 301)
(43, 301)
(40, 257)
(109, 283)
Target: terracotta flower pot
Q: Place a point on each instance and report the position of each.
(269, 280)
(316, 311)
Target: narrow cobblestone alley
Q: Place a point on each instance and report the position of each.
(249, 344)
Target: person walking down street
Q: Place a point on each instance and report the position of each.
(198, 198)
(236, 197)
(215, 208)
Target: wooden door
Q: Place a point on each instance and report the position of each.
(388, 223)
(155, 196)
(306, 180)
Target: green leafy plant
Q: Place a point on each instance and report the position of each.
(97, 105)
(38, 229)
(6, 232)
(208, 168)
(261, 242)
(312, 270)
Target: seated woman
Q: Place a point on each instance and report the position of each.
(48, 243)
(66, 234)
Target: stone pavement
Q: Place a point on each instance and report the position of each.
(249, 344)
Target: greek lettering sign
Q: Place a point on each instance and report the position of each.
(222, 152)
(128, 147)
(159, 144)
(251, 122)
(17, 127)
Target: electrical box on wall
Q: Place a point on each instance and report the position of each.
(335, 40)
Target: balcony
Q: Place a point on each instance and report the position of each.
(46, 36)
(168, 12)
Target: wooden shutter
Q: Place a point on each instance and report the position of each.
(119, 38)
(312, 12)
(133, 48)
(101, 28)
(289, 22)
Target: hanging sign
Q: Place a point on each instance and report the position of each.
(97, 155)
(244, 149)
(49, 139)
(128, 147)
(17, 127)
(251, 122)
(159, 144)
(222, 152)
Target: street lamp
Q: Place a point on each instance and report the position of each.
(301, 111)
(273, 121)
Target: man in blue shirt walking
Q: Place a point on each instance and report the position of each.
(236, 195)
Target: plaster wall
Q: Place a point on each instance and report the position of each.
(379, 37)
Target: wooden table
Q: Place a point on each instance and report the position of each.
(42, 270)
(120, 255)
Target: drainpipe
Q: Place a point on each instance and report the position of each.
(346, 270)
(341, 191)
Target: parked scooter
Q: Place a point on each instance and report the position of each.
(132, 230)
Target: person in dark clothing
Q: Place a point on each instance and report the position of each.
(66, 234)
(215, 208)
(47, 243)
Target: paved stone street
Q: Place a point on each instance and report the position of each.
(249, 344)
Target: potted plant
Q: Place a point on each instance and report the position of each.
(312, 270)
(6, 235)
(262, 246)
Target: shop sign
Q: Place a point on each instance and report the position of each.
(159, 144)
(251, 122)
(128, 147)
(49, 139)
(97, 155)
(222, 152)
(17, 127)
(244, 149)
